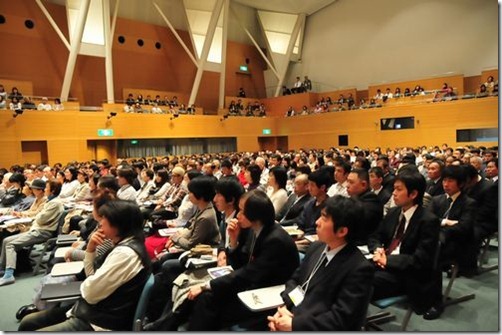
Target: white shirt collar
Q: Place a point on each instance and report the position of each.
(330, 254)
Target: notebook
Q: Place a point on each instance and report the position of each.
(168, 231)
(66, 239)
(61, 290)
(219, 271)
(262, 299)
(67, 268)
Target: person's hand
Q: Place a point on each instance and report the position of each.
(170, 224)
(380, 257)
(75, 244)
(169, 244)
(222, 258)
(194, 292)
(97, 238)
(284, 322)
(272, 320)
(16, 214)
(75, 232)
(67, 255)
(233, 230)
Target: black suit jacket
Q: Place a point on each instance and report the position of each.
(291, 211)
(478, 191)
(487, 217)
(415, 261)
(372, 212)
(462, 210)
(273, 260)
(435, 188)
(388, 182)
(338, 295)
(384, 196)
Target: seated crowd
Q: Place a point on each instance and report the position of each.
(156, 106)
(20, 102)
(446, 93)
(299, 218)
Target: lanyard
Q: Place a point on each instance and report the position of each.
(321, 259)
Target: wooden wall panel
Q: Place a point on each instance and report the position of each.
(278, 106)
(471, 84)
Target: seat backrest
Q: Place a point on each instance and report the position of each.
(139, 315)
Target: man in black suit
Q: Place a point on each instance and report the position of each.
(376, 179)
(358, 187)
(319, 183)
(435, 182)
(294, 206)
(272, 260)
(456, 212)
(331, 289)
(388, 174)
(404, 245)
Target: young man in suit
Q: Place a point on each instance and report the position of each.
(376, 179)
(330, 291)
(272, 260)
(293, 208)
(404, 245)
(456, 212)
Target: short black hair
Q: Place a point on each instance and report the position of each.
(191, 174)
(202, 187)
(345, 212)
(280, 175)
(231, 189)
(377, 171)
(455, 172)
(259, 207)
(320, 178)
(125, 216)
(226, 163)
(413, 181)
(362, 174)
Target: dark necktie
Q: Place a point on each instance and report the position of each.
(449, 200)
(398, 235)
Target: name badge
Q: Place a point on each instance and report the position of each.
(297, 296)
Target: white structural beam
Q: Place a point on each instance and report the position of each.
(175, 33)
(115, 14)
(300, 20)
(221, 99)
(75, 46)
(272, 67)
(53, 24)
(108, 32)
(205, 50)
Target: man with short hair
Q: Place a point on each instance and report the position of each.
(376, 179)
(294, 206)
(404, 245)
(342, 170)
(434, 181)
(331, 289)
(227, 168)
(492, 170)
(456, 212)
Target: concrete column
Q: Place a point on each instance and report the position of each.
(75, 47)
(221, 99)
(205, 50)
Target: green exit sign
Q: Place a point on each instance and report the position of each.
(267, 131)
(105, 132)
(243, 68)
